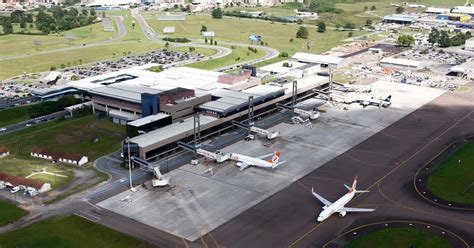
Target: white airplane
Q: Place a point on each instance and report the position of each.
(411, 5)
(244, 161)
(375, 102)
(330, 208)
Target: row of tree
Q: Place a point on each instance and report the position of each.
(62, 19)
(443, 40)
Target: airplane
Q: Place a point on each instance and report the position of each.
(244, 161)
(411, 5)
(375, 102)
(394, 5)
(338, 206)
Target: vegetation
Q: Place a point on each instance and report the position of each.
(79, 135)
(400, 237)
(443, 39)
(453, 179)
(179, 40)
(22, 113)
(264, 17)
(10, 213)
(302, 33)
(405, 40)
(157, 68)
(321, 27)
(70, 231)
(399, 10)
(217, 13)
(239, 54)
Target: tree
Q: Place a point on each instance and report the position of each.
(443, 40)
(217, 13)
(368, 22)
(366, 8)
(350, 34)
(215, 43)
(349, 25)
(338, 26)
(16, 16)
(203, 28)
(7, 26)
(373, 8)
(302, 33)
(433, 37)
(321, 27)
(405, 40)
(93, 13)
(22, 23)
(399, 10)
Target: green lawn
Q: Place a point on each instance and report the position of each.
(13, 115)
(73, 136)
(452, 181)
(69, 231)
(200, 50)
(239, 54)
(14, 44)
(399, 237)
(276, 35)
(9, 213)
(43, 62)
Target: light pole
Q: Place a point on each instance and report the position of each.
(129, 164)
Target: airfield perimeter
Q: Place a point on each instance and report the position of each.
(385, 162)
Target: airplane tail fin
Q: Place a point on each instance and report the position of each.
(275, 159)
(389, 98)
(354, 185)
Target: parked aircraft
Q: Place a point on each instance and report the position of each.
(244, 161)
(338, 206)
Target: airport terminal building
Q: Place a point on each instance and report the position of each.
(158, 108)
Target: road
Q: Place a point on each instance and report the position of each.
(23, 125)
(122, 32)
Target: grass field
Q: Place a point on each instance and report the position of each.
(399, 237)
(276, 35)
(69, 231)
(9, 213)
(73, 136)
(452, 181)
(14, 44)
(43, 62)
(238, 52)
(13, 115)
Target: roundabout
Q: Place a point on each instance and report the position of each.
(446, 180)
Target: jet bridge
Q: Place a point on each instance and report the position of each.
(160, 179)
(216, 156)
(268, 134)
(312, 114)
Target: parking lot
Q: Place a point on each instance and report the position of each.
(199, 202)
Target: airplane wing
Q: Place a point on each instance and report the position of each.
(356, 209)
(243, 165)
(321, 199)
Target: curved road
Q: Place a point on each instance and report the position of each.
(150, 34)
(122, 32)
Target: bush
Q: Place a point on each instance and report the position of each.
(156, 68)
(179, 40)
(284, 55)
(217, 13)
(302, 33)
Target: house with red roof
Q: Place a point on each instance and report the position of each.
(64, 157)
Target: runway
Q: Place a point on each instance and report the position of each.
(386, 164)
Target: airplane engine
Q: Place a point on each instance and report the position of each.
(342, 213)
(239, 163)
(324, 207)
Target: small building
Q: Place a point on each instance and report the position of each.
(4, 151)
(323, 60)
(400, 19)
(208, 34)
(435, 10)
(401, 63)
(28, 185)
(469, 44)
(454, 17)
(71, 109)
(69, 158)
(168, 30)
(469, 10)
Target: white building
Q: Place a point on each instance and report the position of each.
(463, 10)
(323, 60)
(469, 44)
(401, 63)
(435, 10)
(4, 152)
(59, 156)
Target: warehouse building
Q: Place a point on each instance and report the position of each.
(454, 17)
(323, 60)
(401, 63)
(400, 19)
